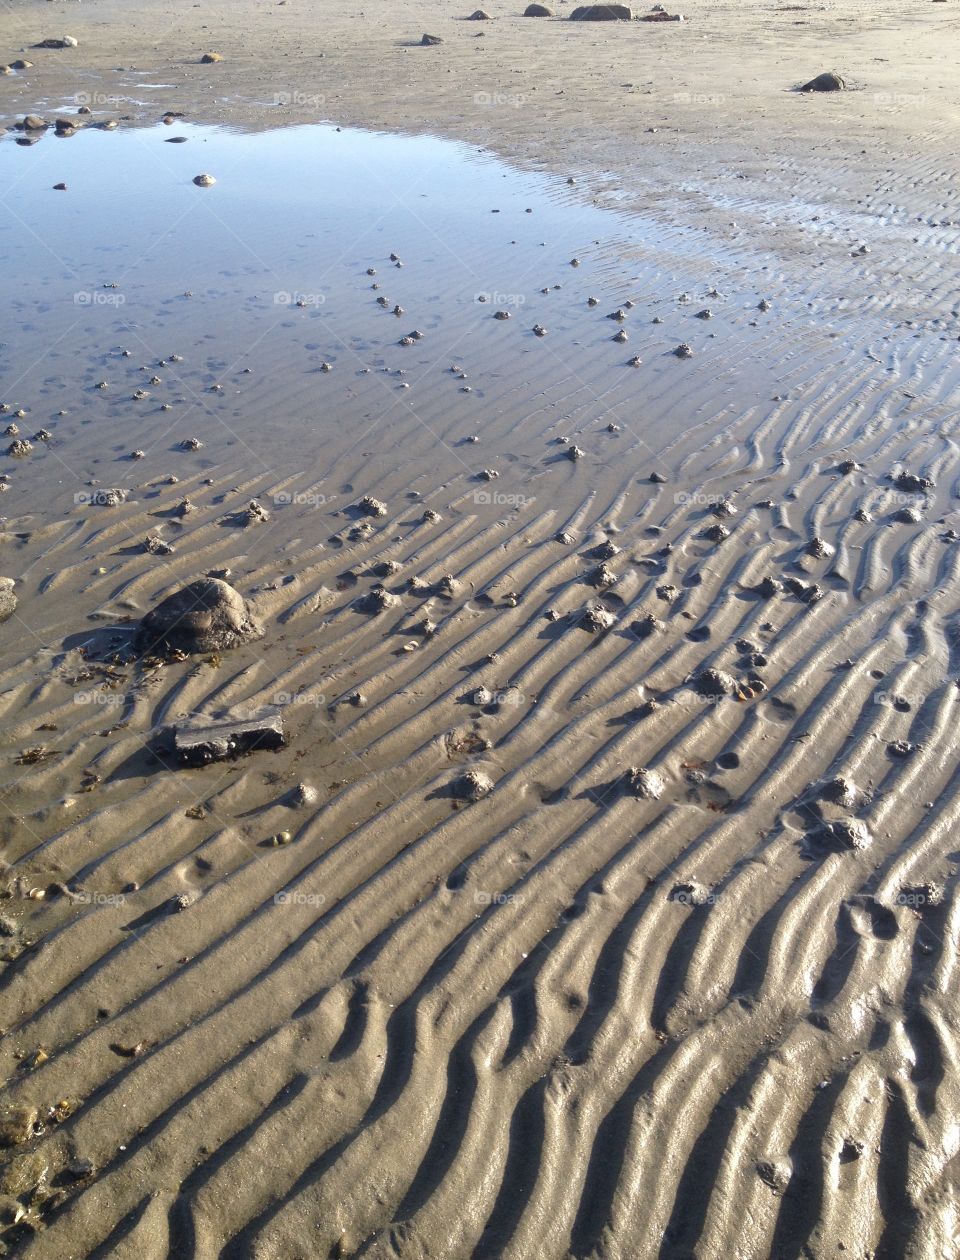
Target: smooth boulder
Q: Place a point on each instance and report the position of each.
(537, 10)
(602, 13)
(829, 81)
(207, 615)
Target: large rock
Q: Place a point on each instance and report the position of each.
(205, 616)
(602, 13)
(537, 10)
(829, 81)
(199, 741)
(8, 601)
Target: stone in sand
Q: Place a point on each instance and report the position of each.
(371, 506)
(207, 615)
(376, 601)
(715, 533)
(829, 81)
(429, 41)
(209, 58)
(713, 683)
(819, 549)
(647, 785)
(596, 619)
(33, 122)
(908, 516)
(62, 41)
(479, 15)
(198, 742)
(602, 13)
(537, 10)
(845, 833)
(8, 601)
(204, 181)
(911, 482)
(646, 625)
(109, 496)
(840, 791)
(17, 1123)
(471, 785)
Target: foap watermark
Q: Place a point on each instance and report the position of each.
(283, 297)
(286, 699)
(490, 99)
(695, 895)
(511, 698)
(699, 98)
(295, 897)
(311, 499)
(501, 498)
(902, 701)
(98, 297)
(909, 99)
(98, 99)
(495, 298)
(300, 100)
(85, 898)
(483, 898)
(696, 498)
(694, 700)
(103, 699)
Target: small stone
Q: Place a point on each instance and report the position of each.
(912, 483)
(647, 785)
(713, 683)
(376, 601)
(908, 516)
(597, 618)
(472, 785)
(819, 549)
(370, 506)
(204, 181)
(683, 351)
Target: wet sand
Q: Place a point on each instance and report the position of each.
(602, 901)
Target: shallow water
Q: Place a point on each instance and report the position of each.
(260, 285)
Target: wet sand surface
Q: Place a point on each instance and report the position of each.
(595, 544)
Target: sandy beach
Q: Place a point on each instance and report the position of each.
(551, 435)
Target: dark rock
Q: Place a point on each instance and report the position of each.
(537, 10)
(602, 13)
(198, 742)
(713, 683)
(829, 81)
(207, 615)
(911, 482)
(428, 41)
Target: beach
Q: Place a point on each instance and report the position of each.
(537, 837)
